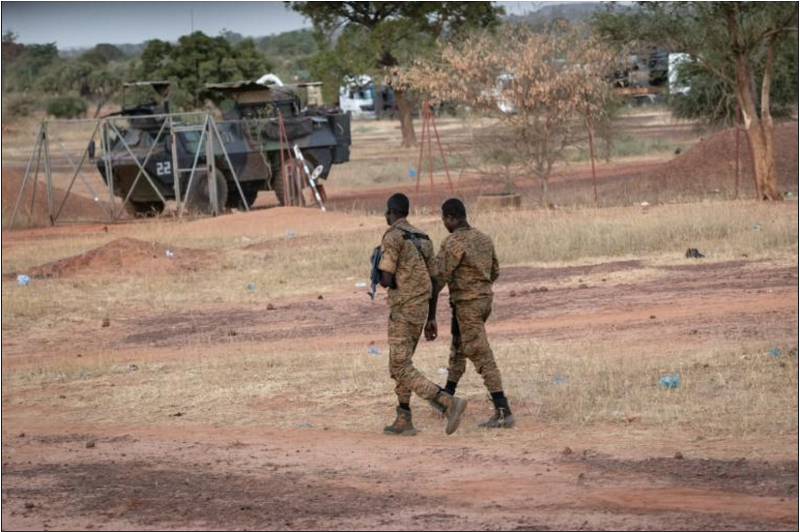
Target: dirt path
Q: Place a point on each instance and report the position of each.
(304, 479)
(189, 476)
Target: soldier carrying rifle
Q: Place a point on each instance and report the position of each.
(407, 267)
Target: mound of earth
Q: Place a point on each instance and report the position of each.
(76, 207)
(711, 164)
(279, 221)
(124, 255)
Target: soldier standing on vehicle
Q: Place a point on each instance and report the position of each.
(467, 263)
(408, 269)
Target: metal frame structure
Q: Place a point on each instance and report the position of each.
(210, 140)
(428, 120)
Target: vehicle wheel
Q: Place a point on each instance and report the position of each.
(250, 194)
(295, 180)
(144, 209)
(198, 199)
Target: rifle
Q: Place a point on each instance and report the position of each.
(374, 273)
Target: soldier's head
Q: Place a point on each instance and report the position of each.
(454, 214)
(396, 208)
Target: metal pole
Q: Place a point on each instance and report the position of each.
(194, 168)
(106, 141)
(25, 178)
(444, 158)
(736, 182)
(211, 171)
(141, 166)
(77, 172)
(230, 165)
(284, 158)
(430, 142)
(47, 173)
(421, 146)
(35, 182)
(176, 171)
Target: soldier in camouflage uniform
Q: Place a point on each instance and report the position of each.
(408, 270)
(468, 264)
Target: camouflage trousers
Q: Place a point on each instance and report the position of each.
(470, 342)
(406, 323)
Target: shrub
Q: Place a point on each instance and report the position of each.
(66, 107)
(19, 105)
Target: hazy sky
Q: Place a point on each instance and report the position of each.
(84, 24)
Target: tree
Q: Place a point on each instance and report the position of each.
(198, 59)
(11, 48)
(31, 63)
(736, 42)
(714, 102)
(390, 35)
(99, 82)
(546, 89)
(102, 54)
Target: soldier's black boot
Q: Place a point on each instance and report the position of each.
(452, 407)
(502, 418)
(402, 426)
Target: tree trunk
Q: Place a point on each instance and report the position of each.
(759, 131)
(761, 142)
(406, 120)
(543, 183)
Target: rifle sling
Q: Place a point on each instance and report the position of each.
(414, 238)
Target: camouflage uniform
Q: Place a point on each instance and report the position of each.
(468, 264)
(408, 306)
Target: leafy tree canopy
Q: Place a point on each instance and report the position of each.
(198, 59)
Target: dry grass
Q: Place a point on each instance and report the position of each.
(321, 264)
(726, 392)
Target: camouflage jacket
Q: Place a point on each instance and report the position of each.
(412, 268)
(468, 264)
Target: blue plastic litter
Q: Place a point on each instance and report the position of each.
(412, 172)
(291, 234)
(374, 351)
(23, 280)
(670, 381)
(774, 352)
(559, 378)
(250, 286)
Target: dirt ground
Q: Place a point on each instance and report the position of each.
(115, 449)
(183, 473)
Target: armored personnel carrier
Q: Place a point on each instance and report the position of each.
(250, 132)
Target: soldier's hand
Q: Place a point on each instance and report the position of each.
(431, 330)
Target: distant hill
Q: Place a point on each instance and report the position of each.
(570, 11)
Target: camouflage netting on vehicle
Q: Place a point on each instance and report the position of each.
(295, 128)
